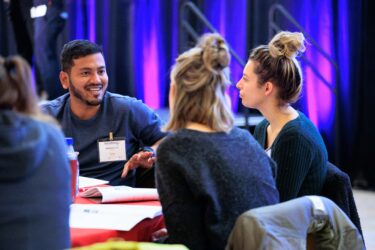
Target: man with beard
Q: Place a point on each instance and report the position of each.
(110, 131)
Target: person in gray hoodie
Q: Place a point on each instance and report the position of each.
(34, 169)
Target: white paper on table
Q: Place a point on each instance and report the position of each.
(89, 182)
(121, 194)
(113, 217)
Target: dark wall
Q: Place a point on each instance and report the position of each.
(357, 124)
(364, 95)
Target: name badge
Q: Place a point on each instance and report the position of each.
(38, 11)
(113, 149)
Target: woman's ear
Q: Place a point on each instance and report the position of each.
(268, 88)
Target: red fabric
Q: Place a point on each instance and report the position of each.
(140, 232)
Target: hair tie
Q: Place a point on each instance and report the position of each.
(9, 65)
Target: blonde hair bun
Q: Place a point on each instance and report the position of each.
(287, 44)
(215, 53)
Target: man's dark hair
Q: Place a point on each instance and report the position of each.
(76, 49)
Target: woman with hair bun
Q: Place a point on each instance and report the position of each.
(208, 172)
(271, 82)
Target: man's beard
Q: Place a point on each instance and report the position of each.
(78, 95)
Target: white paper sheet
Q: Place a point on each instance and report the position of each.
(112, 194)
(115, 217)
(89, 182)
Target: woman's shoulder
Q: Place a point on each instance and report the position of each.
(243, 135)
(32, 142)
(301, 130)
(239, 132)
(174, 141)
(53, 135)
(301, 126)
(31, 123)
(187, 140)
(261, 126)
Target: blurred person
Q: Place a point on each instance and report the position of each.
(37, 25)
(34, 169)
(112, 133)
(19, 15)
(271, 82)
(47, 29)
(208, 172)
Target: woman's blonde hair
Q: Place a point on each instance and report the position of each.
(200, 77)
(276, 62)
(16, 88)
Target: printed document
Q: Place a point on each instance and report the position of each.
(111, 194)
(113, 217)
(90, 182)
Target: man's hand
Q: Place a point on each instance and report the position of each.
(142, 159)
(160, 236)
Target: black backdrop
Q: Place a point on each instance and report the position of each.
(357, 125)
(361, 153)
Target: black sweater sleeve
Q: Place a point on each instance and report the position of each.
(181, 213)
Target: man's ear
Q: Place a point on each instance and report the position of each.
(64, 79)
(268, 88)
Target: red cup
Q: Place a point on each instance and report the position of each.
(74, 177)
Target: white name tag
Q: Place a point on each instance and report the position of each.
(112, 150)
(38, 11)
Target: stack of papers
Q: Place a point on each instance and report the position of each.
(114, 217)
(120, 194)
(90, 182)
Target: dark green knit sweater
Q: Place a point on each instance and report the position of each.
(301, 157)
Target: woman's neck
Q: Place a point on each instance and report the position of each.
(199, 127)
(277, 116)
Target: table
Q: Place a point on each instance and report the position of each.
(141, 232)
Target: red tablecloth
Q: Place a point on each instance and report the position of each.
(141, 232)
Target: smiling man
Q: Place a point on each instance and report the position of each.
(109, 130)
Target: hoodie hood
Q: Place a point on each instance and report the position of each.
(23, 144)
